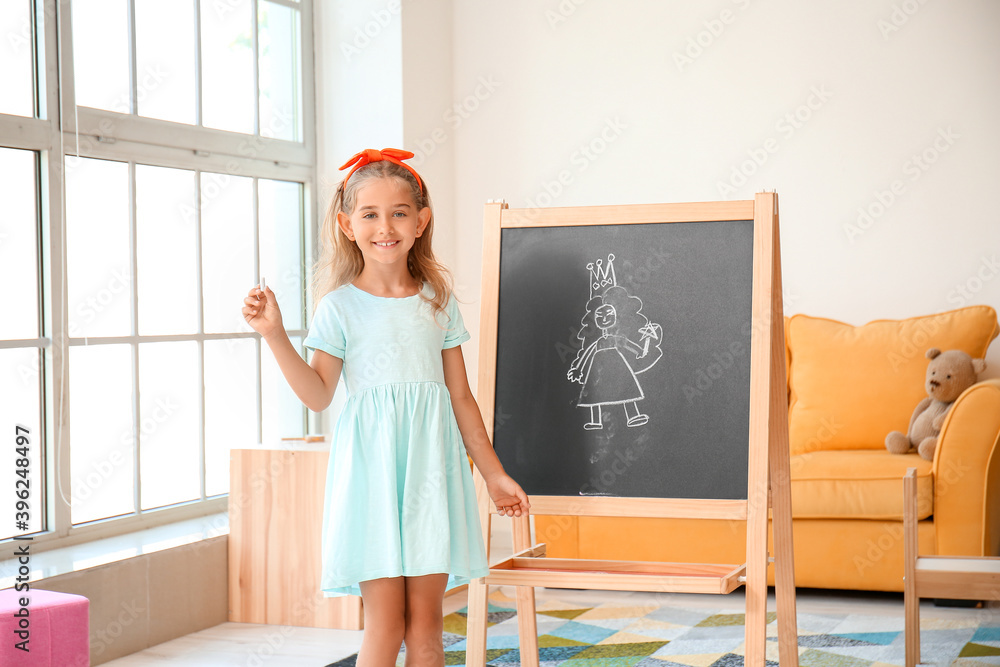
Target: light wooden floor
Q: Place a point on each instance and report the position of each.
(248, 645)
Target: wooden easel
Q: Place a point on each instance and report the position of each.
(768, 464)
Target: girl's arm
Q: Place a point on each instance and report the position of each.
(507, 494)
(314, 384)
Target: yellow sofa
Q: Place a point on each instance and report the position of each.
(848, 387)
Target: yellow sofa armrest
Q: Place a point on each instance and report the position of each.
(967, 475)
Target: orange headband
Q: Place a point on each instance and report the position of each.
(370, 155)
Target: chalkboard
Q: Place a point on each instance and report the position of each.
(623, 359)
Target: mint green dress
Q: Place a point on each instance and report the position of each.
(399, 498)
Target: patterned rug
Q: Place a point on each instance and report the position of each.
(614, 635)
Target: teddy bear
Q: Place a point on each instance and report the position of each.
(948, 375)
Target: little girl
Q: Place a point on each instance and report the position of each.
(400, 522)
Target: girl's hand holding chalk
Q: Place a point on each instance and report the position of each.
(260, 310)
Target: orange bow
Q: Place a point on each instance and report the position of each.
(393, 155)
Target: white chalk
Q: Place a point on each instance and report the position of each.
(263, 284)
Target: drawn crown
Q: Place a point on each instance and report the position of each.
(602, 277)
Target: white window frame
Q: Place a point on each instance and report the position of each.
(136, 140)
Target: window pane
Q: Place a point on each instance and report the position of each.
(16, 75)
(165, 60)
(101, 54)
(102, 441)
(18, 243)
(169, 422)
(280, 212)
(166, 230)
(227, 249)
(227, 65)
(19, 396)
(283, 412)
(230, 406)
(280, 74)
(97, 237)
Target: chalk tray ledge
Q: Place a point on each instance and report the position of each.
(531, 568)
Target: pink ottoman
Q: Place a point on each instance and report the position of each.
(57, 632)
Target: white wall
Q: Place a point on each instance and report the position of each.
(569, 71)
(833, 100)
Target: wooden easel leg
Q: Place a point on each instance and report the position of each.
(475, 644)
(784, 568)
(527, 628)
(756, 592)
(768, 462)
(780, 476)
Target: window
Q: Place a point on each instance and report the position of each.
(180, 169)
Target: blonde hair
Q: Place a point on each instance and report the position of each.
(341, 261)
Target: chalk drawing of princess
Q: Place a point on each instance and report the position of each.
(619, 343)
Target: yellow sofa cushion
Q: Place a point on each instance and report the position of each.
(856, 484)
(851, 385)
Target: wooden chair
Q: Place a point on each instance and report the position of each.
(952, 577)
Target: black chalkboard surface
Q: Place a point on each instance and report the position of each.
(623, 359)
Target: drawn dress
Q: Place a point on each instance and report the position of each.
(608, 377)
(399, 497)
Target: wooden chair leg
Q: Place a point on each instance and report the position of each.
(911, 603)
